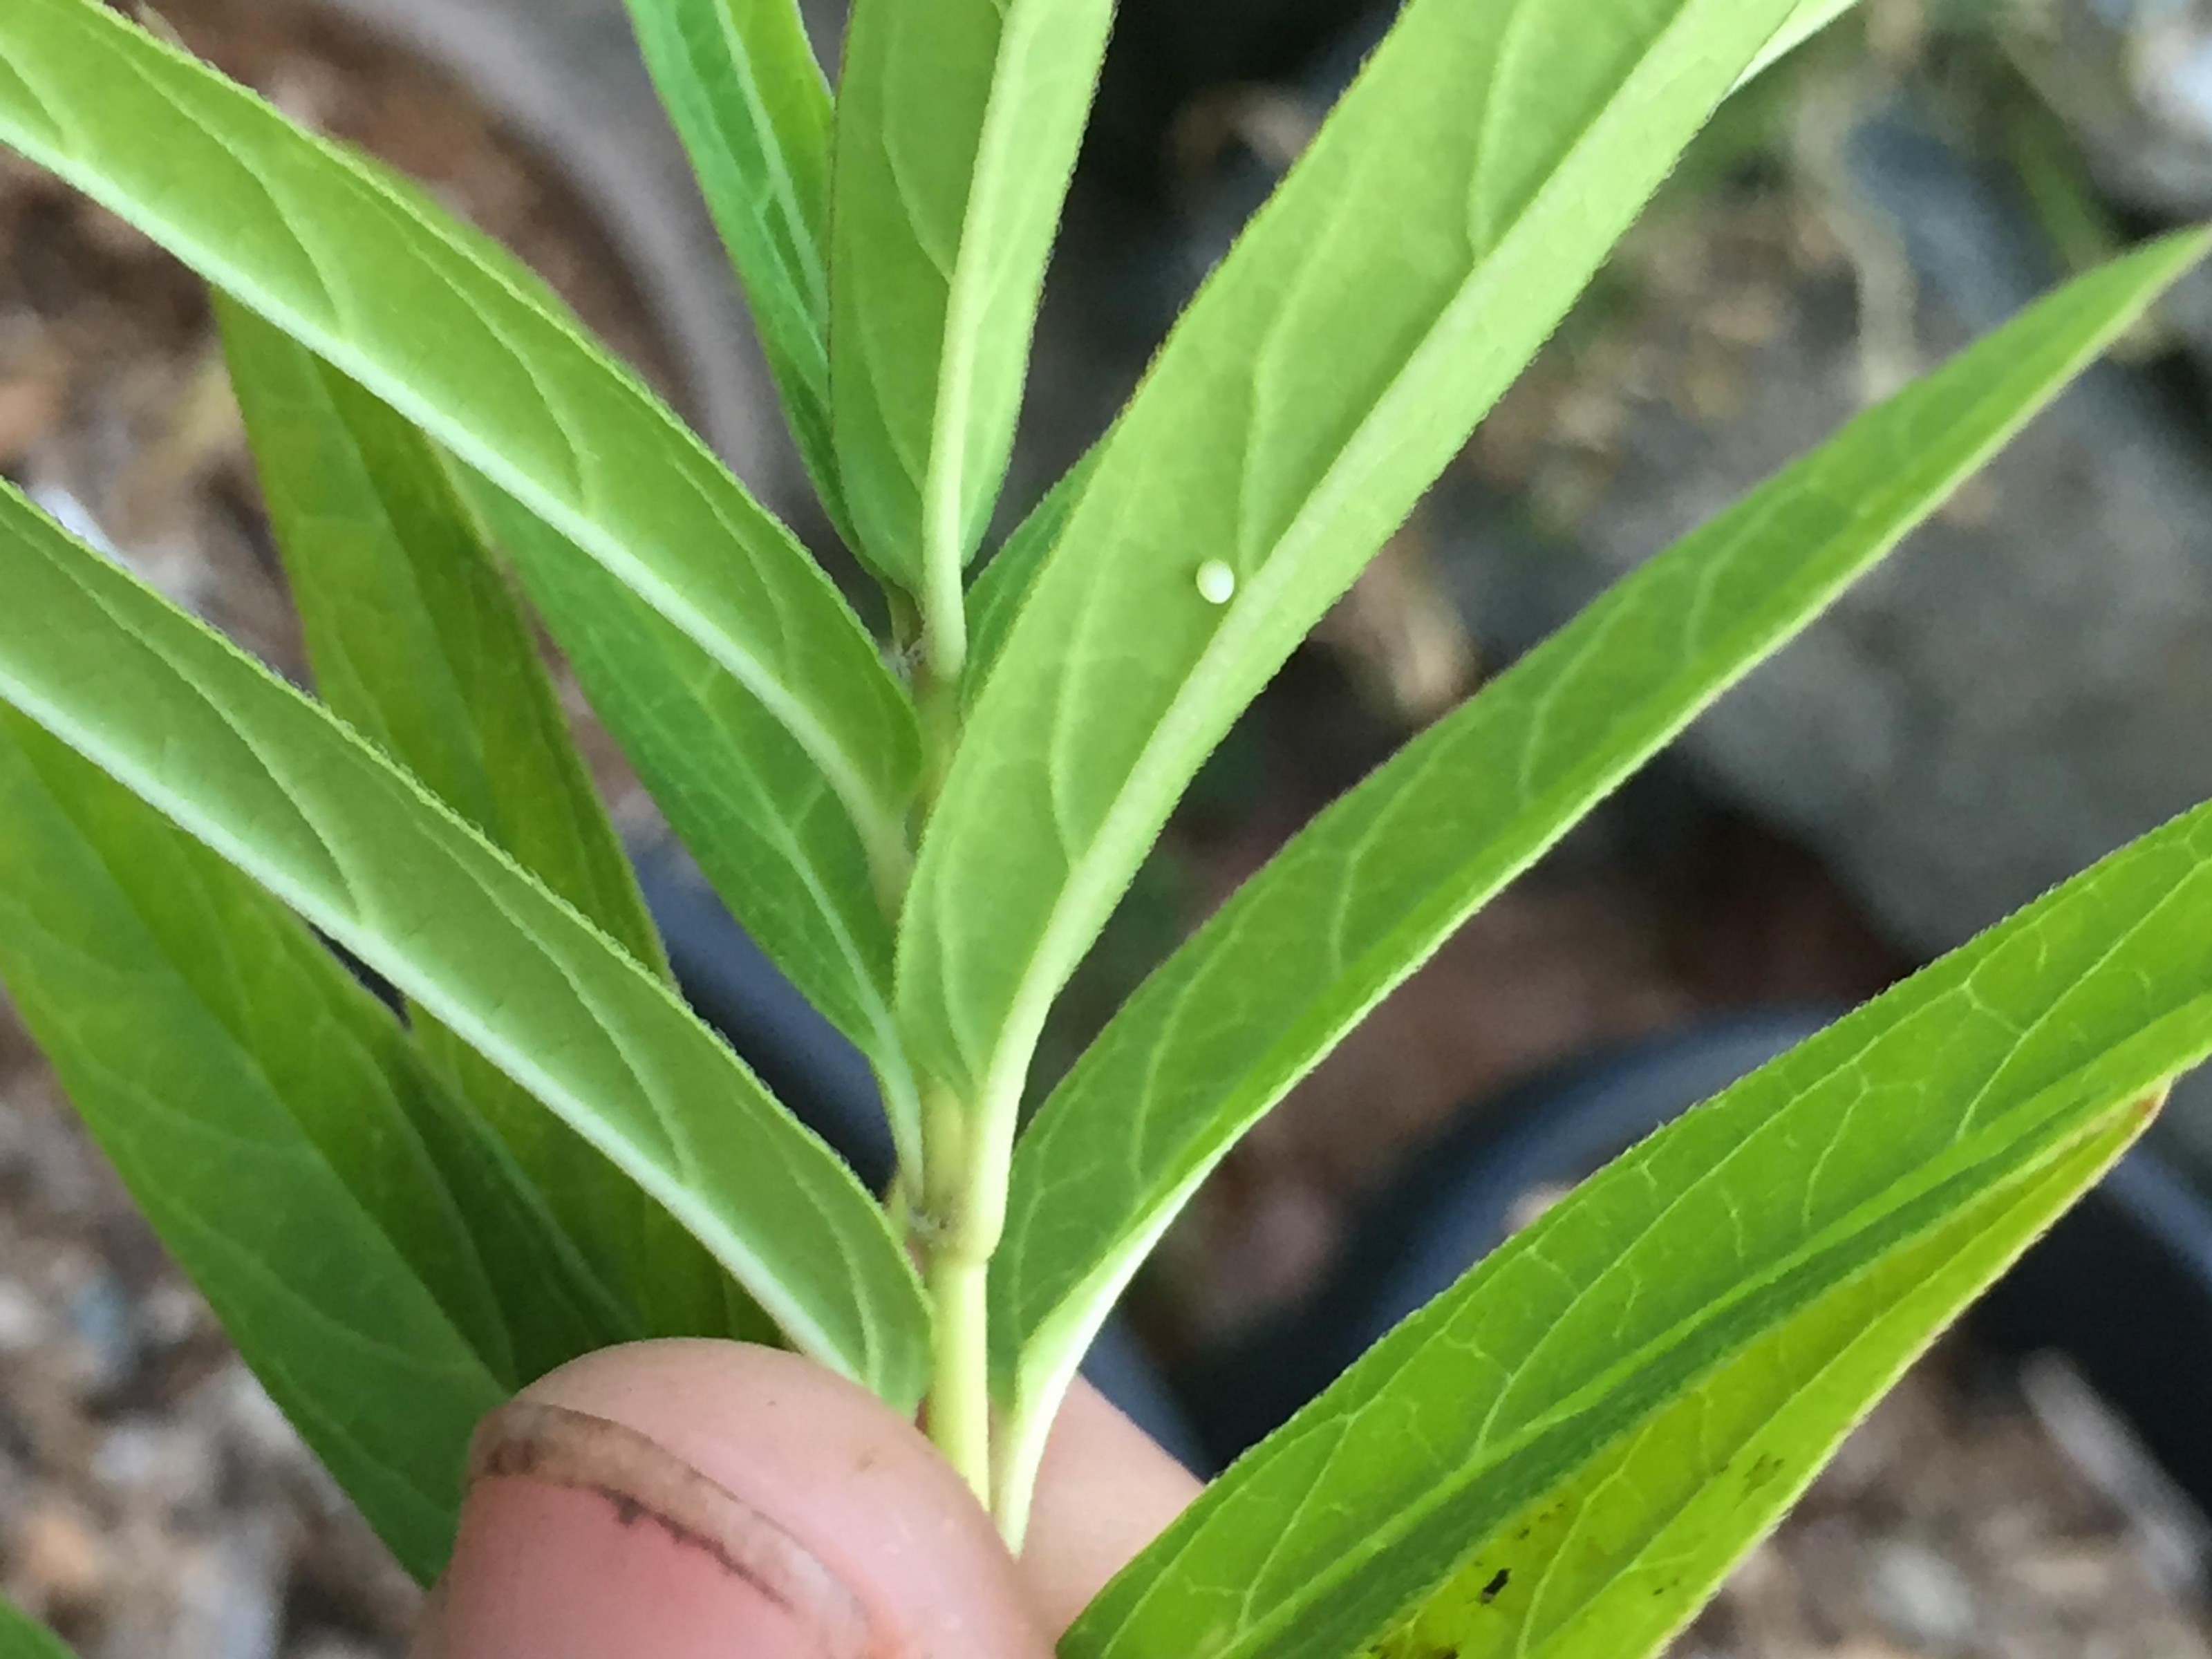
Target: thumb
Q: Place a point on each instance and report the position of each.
(687, 1499)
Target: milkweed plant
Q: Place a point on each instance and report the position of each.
(401, 1219)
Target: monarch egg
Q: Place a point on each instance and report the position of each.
(1217, 582)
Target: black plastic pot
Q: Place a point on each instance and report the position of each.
(2122, 1287)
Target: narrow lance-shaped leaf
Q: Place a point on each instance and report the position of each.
(1366, 893)
(1622, 1570)
(22, 1637)
(251, 1096)
(373, 280)
(1563, 1454)
(1413, 262)
(746, 95)
(957, 126)
(765, 829)
(417, 644)
(282, 790)
(415, 639)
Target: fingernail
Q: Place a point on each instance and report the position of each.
(583, 1538)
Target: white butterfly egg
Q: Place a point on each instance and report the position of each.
(1217, 582)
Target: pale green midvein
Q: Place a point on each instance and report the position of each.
(1263, 590)
(944, 596)
(1958, 1150)
(1484, 1455)
(943, 548)
(1053, 1353)
(348, 923)
(1055, 1348)
(56, 135)
(1007, 1073)
(1179, 729)
(1765, 1422)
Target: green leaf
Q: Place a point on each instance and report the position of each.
(1413, 262)
(763, 825)
(1359, 899)
(416, 640)
(255, 1101)
(617, 1266)
(747, 97)
(22, 1637)
(1612, 1407)
(995, 599)
(408, 305)
(558, 1302)
(418, 645)
(1703, 1481)
(957, 126)
(282, 790)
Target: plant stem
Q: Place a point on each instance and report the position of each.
(964, 1214)
(962, 1195)
(960, 1393)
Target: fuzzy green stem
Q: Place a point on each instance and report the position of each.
(963, 1216)
(960, 1392)
(965, 1169)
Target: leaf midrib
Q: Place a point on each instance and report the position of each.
(2013, 1187)
(1862, 1222)
(944, 558)
(1186, 717)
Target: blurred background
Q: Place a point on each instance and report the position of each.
(2025, 687)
